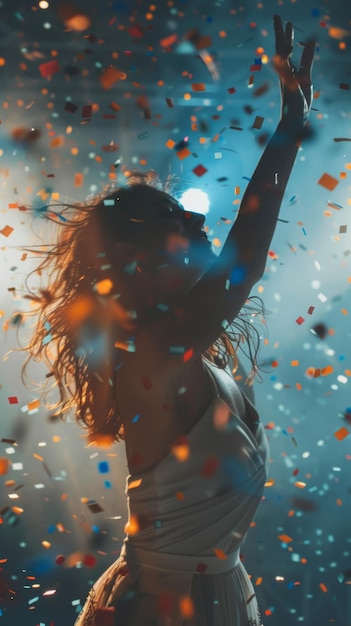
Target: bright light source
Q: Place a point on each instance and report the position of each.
(195, 200)
(43, 4)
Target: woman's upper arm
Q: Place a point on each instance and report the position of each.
(201, 317)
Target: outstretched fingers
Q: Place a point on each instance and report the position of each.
(283, 38)
(307, 58)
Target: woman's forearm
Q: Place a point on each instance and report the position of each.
(252, 232)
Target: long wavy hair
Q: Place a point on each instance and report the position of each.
(75, 324)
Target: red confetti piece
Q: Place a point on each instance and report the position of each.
(231, 90)
(210, 467)
(89, 560)
(60, 559)
(49, 69)
(87, 110)
(136, 30)
(310, 310)
(344, 86)
(165, 603)
(146, 383)
(199, 170)
(188, 355)
(13, 400)
(300, 320)
(170, 103)
(201, 568)
(105, 616)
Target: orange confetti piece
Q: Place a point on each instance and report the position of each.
(339, 502)
(170, 144)
(183, 154)
(186, 607)
(103, 287)
(35, 404)
(198, 87)
(299, 484)
(220, 554)
(259, 581)
(328, 181)
(37, 456)
(337, 33)
(285, 538)
(109, 77)
(181, 452)
(323, 587)
(6, 231)
(57, 142)
(294, 363)
(341, 433)
(166, 42)
(180, 495)
(325, 371)
(270, 483)
(4, 466)
(135, 483)
(78, 179)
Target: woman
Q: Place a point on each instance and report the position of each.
(138, 307)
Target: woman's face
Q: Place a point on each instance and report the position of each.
(167, 244)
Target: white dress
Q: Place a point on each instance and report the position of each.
(193, 510)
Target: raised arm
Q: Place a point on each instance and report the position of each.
(252, 233)
(217, 298)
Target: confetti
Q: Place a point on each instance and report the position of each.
(4, 466)
(146, 383)
(103, 467)
(341, 434)
(198, 87)
(109, 77)
(49, 69)
(94, 506)
(199, 170)
(328, 181)
(6, 231)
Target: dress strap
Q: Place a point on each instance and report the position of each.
(178, 563)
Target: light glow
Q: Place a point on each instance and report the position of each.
(195, 200)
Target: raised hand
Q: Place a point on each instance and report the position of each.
(296, 84)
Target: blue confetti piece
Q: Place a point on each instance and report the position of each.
(135, 419)
(238, 275)
(95, 529)
(104, 467)
(108, 484)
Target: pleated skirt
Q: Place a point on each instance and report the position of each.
(116, 599)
